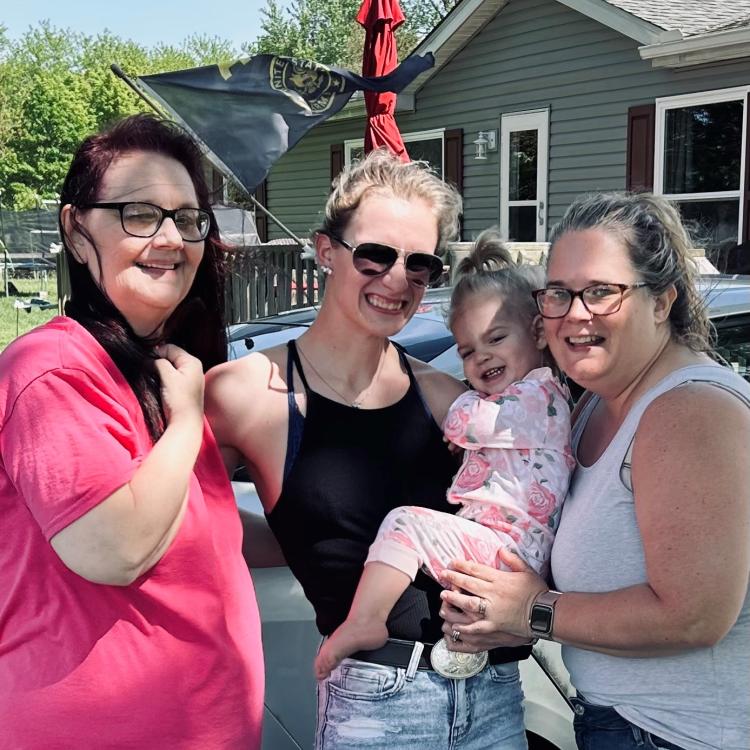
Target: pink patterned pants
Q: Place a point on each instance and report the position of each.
(411, 538)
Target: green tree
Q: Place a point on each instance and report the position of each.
(56, 87)
(327, 30)
(43, 111)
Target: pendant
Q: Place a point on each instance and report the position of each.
(456, 665)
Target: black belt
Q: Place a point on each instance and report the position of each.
(397, 653)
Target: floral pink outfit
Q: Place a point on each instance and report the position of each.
(511, 485)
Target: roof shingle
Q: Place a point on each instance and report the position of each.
(689, 16)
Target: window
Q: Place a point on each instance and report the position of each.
(733, 342)
(426, 145)
(700, 164)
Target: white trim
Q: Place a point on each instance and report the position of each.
(451, 35)
(511, 122)
(663, 104)
(620, 20)
(737, 93)
(460, 14)
(698, 49)
(418, 135)
(717, 196)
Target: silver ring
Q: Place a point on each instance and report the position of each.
(482, 607)
(455, 636)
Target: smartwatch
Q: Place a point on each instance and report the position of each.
(542, 615)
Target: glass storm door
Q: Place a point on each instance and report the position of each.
(524, 139)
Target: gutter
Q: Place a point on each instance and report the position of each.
(699, 49)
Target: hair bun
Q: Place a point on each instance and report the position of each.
(489, 254)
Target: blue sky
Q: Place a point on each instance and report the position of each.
(147, 22)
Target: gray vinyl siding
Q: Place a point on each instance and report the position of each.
(534, 54)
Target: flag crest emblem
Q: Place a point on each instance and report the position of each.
(316, 84)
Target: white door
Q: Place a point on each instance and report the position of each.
(524, 141)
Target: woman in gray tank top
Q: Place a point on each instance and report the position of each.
(651, 559)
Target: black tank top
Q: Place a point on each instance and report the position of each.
(345, 469)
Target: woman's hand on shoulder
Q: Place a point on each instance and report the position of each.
(691, 482)
(182, 384)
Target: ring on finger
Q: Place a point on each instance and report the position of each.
(455, 636)
(482, 607)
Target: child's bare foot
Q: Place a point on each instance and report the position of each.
(349, 637)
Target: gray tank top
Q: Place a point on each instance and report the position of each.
(698, 699)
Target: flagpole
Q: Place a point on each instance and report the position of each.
(307, 250)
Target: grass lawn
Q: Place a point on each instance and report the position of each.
(26, 319)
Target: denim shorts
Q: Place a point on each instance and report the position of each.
(602, 728)
(364, 705)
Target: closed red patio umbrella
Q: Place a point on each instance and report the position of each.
(380, 18)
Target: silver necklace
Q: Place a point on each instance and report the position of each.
(357, 403)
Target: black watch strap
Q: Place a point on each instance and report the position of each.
(542, 614)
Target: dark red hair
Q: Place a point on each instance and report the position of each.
(197, 324)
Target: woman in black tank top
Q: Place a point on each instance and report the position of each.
(341, 427)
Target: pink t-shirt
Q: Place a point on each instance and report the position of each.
(173, 660)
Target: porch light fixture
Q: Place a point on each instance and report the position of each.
(486, 141)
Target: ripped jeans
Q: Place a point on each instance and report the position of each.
(364, 705)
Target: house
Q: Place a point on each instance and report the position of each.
(563, 97)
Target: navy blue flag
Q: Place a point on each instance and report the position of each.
(252, 111)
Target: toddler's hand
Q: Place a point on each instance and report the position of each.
(452, 447)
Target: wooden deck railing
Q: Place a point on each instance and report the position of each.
(267, 279)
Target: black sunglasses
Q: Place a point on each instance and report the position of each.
(375, 259)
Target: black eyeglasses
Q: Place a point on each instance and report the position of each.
(598, 299)
(144, 219)
(375, 259)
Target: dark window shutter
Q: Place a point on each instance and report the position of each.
(337, 160)
(453, 166)
(639, 176)
(261, 220)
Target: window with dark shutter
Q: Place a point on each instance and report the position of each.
(639, 177)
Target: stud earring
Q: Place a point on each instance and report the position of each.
(327, 270)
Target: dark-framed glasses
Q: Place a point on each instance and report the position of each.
(375, 259)
(598, 299)
(140, 219)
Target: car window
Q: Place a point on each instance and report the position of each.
(733, 342)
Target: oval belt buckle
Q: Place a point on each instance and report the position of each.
(455, 665)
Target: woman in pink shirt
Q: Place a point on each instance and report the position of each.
(127, 614)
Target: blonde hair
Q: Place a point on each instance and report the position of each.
(380, 172)
(489, 269)
(659, 249)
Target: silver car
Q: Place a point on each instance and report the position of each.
(290, 638)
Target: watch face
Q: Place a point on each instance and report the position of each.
(541, 618)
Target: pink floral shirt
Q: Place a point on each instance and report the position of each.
(517, 461)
